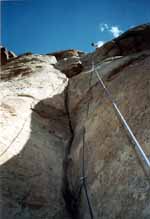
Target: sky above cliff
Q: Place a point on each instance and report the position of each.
(43, 26)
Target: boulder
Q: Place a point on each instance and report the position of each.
(66, 54)
(70, 66)
(6, 55)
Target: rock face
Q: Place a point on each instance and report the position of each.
(51, 112)
(132, 41)
(34, 135)
(66, 54)
(71, 66)
(6, 55)
(117, 184)
(69, 62)
(27, 64)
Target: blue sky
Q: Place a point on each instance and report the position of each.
(43, 26)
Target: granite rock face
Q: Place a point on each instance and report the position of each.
(69, 61)
(70, 66)
(50, 109)
(34, 135)
(66, 54)
(132, 41)
(117, 184)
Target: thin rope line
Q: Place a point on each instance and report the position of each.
(14, 139)
(83, 178)
(138, 147)
(90, 82)
(110, 97)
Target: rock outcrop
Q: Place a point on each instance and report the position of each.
(66, 54)
(34, 135)
(71, 66)
(6, 55)
(117, 184)
(132, 41)
(52, 109)
(69, 61)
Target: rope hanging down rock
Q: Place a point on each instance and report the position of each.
(84, 177)
(142, 156)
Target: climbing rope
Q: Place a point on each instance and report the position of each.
(14, 139)
(137, 145)
(84, 177)
(18, 134)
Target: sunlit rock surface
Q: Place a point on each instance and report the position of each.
(34, 133)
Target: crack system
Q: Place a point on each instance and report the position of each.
(71, 196)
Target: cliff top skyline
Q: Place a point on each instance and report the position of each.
(47, 26)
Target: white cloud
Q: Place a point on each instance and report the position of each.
(106, 26)
(103, 27)
(115, 31)
(100, 43)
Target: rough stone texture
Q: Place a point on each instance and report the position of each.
(6, 55)
(70, 66)
(27, 64)
(117, 184)
(66, 54)
(34, 135)
(132, 41)
(43, 115)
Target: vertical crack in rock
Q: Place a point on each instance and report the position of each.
(69, 119)
(70, 195)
